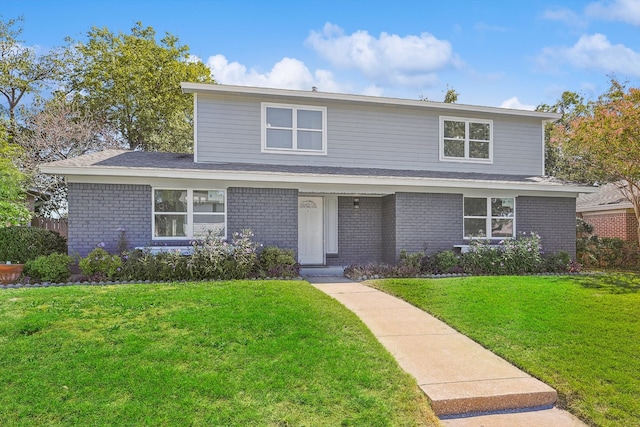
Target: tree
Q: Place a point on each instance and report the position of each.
(12, 197)
(605, 141)
(571, 105)
(58, 131)
(450, 96)
(22, 71)
(132, 82)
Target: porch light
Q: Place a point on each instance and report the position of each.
(356, 203)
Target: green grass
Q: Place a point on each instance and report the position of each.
(272, 353)
(581, 335)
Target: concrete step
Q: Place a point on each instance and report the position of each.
(543, 418)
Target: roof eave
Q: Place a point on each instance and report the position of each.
(294, 178)
(328, 96)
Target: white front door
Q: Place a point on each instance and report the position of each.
(310, 230)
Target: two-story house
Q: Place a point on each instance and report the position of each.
(339, 178)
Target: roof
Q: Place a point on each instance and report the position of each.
(207, 88)
(607, 197)
(124, 163)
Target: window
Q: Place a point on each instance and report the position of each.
(489, 217)
(466, 139)
(294, 129)
(183, 214)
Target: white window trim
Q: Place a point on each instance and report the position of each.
(466, 158)
(189, 212)
(294, 150)
(488, 217)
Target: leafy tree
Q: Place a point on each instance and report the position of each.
(22, 71)
(571, 105)
(132, 82)
(57, 131)
(605, 141)
(450, 96)
(12, 207)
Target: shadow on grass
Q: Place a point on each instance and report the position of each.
(615, 283)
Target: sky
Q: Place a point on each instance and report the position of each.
(499, 53)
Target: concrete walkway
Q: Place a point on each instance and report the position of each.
(466, 384)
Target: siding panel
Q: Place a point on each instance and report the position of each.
(389, 137)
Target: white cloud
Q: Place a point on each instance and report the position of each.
(389, 59)
(567, 16)
(516, 104)
(593, 52)
(288, 73)
(616, 10)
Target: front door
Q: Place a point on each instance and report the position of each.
(310, 230)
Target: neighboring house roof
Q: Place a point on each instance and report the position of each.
(318, 95)
(123, 163)
(607, 197)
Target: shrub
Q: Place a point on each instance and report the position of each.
(22, 244)
(49, 268)
(558, 262)
(277, 262)
(607, 252)
(100, 264)
(214, 258)
(411, 261)
(445, 262)
(515, 256)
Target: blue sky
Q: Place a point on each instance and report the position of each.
(510, 53)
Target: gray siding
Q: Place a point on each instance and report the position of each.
(428, 222)
(553, 218)
(391, 137)
(271, 213)
(359, 231)
(96, 211)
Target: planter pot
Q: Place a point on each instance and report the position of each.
(10, 273)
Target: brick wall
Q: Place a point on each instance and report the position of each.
(622, 225)
(96, 211)
(428, 221)
(389, 229)
(359, 231)
(271, 213)
(553, 218)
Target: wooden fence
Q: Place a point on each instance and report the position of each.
(59, 225)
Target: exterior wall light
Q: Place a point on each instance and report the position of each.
(356, 203)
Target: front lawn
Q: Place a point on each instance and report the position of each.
(273, 353)
(581, 335)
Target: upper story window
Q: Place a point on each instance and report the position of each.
(295, 129)
(489, 217)
(468, 140)
(186, 213)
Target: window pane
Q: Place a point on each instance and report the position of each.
(309, 119)
(453, 129)
(502, 207)
(475, 227)
(478, 150)
(479, 131)
(453, 148)
(203, 223)
(309, 140)
(279, 117)
(171, 225)
(277, 138)
(502, 228)
(475, 206)
(208, 201)
(170, 200)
